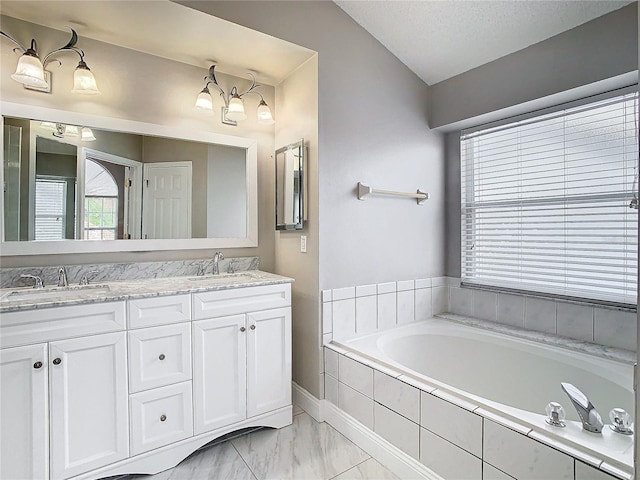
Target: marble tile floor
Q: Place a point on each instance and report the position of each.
(305, 450)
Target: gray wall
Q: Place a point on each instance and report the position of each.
(372, 127)
(597, 50)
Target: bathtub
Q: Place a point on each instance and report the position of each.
(510, 379)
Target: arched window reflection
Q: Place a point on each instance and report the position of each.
(100, 203)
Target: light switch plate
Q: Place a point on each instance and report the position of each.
(303, 243)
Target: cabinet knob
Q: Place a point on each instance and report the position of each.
(57, 361)
(37, 365)
(252, 327)
(242, 329)
(163, 418)
(162, 357)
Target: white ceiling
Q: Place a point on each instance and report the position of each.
(439, 39)
(168, 30)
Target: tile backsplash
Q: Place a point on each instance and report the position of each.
(355, 311)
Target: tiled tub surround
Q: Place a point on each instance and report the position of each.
(113, 272)
(355, 311)
(462, 436)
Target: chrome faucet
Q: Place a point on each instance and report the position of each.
(38, 280)
(87, 277)
(62, 277)
(216, 259)
(591, 419)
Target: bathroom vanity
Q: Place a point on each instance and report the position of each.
(132, 377)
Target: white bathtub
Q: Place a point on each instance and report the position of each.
(510, 378)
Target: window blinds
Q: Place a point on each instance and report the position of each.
(546, 202)
(50, 209)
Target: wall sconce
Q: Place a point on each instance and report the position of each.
(233, 109)
(60, 130)
(31, 72)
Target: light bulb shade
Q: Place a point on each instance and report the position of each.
(236, 109)
(264, 114)
(87, 135)
(50, 126)
(83, 80)
(29, 71)
(204, 100)
(71, 131)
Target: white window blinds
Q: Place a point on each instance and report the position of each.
(50, 214)
(547, 203)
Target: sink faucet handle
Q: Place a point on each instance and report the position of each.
(231, 268)
(38, 280)
(84, 280)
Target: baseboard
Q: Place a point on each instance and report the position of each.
(308, 402)
(401, 464)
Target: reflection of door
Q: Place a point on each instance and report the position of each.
(166, 200)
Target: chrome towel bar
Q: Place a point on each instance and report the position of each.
(364, 190)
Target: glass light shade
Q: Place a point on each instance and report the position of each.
(48, 126)
(236, 109)
(87, 135)
(83, 81)
(71, 131)
(204, 100)
(264, 114)
(30, 72)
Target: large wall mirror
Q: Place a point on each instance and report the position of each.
(122, 185)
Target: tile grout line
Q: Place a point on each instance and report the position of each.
(352, 467)
(243, 459)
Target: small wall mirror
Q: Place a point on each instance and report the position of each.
(290, 162)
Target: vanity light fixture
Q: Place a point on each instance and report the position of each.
(60, 130)
(233, 109)
(31, 72)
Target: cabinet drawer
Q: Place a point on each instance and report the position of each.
(240, 300)
(160, 417)
(147, 312)
(43, 325)
(159, 356)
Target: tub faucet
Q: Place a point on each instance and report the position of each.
(62, 277)
(216, 258)
(591, 419)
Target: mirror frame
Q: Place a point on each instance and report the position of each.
(19, 110)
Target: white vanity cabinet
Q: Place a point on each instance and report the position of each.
(64, 404)
(242, 355)
(134, 386)
(24, 412)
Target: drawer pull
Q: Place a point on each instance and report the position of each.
(162, 357)
(37, 365)
(163, 418)
(252, 327)
(242, 329)
(57, 361)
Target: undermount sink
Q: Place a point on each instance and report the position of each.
(35, 294)
(228, 278)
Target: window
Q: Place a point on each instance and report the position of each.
(100, 203)
(549, 202)
(51, 207)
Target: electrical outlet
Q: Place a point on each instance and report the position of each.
(303, 243)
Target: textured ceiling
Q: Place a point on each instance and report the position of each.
(439, 39)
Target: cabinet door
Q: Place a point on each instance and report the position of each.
(219, 372)
(269, 360)
(89, 422)
(24, 443)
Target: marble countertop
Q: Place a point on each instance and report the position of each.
(27, 298)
